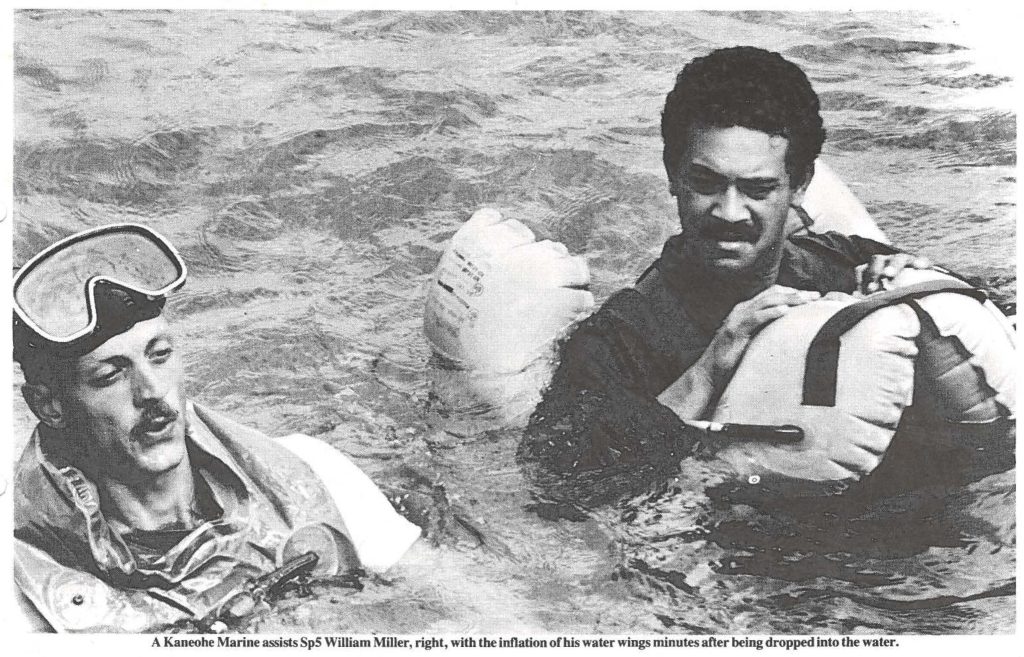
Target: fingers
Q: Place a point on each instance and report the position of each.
(921, 262)
(872, 273)
(880, 273)
(780, 295)
(751, 316)
(760, 318)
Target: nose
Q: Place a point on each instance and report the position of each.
(730, 206)
(148, 384)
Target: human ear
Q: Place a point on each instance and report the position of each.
(798, 193)
(44, 404)
(675, 184)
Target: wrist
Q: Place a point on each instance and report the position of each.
(712, 366)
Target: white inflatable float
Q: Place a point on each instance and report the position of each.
(829, 205)
(845, 369)
(496, 304)
(499, 301)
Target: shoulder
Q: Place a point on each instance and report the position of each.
(40, 505)
(378, 533)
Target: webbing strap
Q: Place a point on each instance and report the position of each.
(822, 368)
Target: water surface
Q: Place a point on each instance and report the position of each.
(311, 166)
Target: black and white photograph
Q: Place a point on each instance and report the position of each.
(432, 329)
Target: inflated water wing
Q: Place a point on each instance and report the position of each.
(846, 371)
(499, 298)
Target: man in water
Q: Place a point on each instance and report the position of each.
(136, 508)
(741, 132)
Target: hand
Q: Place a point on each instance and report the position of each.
(744, 322)
(879, 273)
(697, 390)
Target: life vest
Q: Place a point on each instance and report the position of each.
(846, 370)
(79, 574)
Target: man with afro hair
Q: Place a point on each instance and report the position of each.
(741, 131)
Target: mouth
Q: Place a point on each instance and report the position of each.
(731, 235)
(154, 429)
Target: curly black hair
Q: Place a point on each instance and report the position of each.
(751, 88)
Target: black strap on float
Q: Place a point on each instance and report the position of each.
(822, 368)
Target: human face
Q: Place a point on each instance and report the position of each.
(125, 400)
(733, 194)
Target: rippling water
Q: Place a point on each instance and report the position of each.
(310, 167)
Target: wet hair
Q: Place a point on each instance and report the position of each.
(39, 364)
(750, 88)
(50, 372)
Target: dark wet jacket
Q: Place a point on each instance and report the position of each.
(600, 413)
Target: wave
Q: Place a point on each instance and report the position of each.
(989, 140)
(884, 47)
(126, 171)
(971, 81)
(531, 26)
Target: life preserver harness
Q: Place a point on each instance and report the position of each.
(846, 370)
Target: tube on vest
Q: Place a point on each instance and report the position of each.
(499, 298)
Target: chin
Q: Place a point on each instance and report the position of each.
(162, 457)
(156, 464)
(727, 265)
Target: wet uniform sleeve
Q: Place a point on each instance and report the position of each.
(600, 411)
(841, 250)
(826, 261)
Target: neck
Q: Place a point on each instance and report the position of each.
(723, 290)
(164, 500)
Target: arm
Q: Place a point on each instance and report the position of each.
(694, 394)
(600, 411)
(876, 264)
(629, 379)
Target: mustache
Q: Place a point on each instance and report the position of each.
(727, 231)
(154, 416)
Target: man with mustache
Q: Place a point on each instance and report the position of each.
(134, 507)
(741, 133)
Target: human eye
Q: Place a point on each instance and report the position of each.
(703, 181)
(758, 191)
(161, 352)
(105, 376)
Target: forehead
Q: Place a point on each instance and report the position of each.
(738, 152)
(131, 342)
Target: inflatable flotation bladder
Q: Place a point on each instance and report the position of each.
(499, 298)
(845, 370)
(829, 205)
